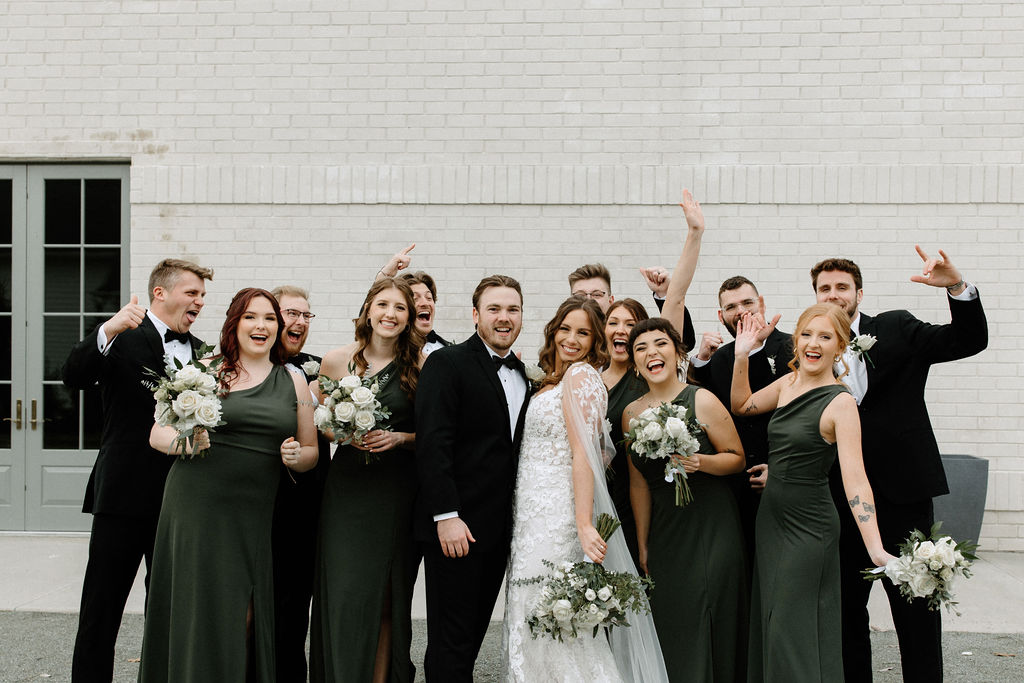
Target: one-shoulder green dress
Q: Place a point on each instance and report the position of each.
(796, 632)
(212, 552)
(367, 554)
(695, 556)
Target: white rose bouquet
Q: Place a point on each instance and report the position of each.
(928, 567)
(186, 397)
(666, 433)
(350, 407)
(585, 596)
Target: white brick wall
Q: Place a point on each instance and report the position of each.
(307, 140)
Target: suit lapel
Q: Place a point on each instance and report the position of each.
(483, 359)
(153, 341)
(868, 325)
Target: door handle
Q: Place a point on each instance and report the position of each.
(34, 421)
(17, 415)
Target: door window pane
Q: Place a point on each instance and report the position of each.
(59, 335)
(92, 417)
(5, 279)
(102, 280)
(5, 411)
(62, 276)
(6, 210)
(6, 342)
(90, 323)
(102, 211)
(62, 216)
(60, 408)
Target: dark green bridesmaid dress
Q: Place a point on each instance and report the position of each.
(212, 550)
(796, 632)
(695, 556)
(628, 389)
(367, 554)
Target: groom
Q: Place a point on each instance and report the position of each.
(470, 405)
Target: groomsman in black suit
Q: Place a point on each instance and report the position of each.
(712, 367)
(470, 405)
(126, 486)
(901, 456)
(424, 292)
(297, 509)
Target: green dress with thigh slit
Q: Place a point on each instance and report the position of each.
(212, 557)
(695, 556)
(367, 557)
(796, 632)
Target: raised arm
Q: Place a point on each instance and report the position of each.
(743, 402)
(396, 264)
(682, 276)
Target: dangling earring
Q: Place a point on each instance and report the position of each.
(837, 359)
(636, 371)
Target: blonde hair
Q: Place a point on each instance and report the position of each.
(840, 323)
(289, 290)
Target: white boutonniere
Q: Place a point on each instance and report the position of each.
(535, 375)
(771, 363)
(311, 368)
(861, 344)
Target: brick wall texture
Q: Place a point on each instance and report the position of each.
(306, 141)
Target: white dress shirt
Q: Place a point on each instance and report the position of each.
(174, 349)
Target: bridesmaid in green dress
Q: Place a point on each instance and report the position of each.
(624, 386)
(210, 611)
(796, 633)
(693, 553)
(361, 627)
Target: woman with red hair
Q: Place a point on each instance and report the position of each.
(210, 607)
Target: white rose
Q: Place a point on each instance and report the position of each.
(590, 594)
(350, 382)
(186, 403)
(336, 395)
(321, 415)
(344, 412)
(865, 341)
(935, 564)
(162, 412)
(922, 584)
(363, 419)
(647, 415)
(562, 611)
(946, 555)
(160, 394)
(189, 374)
(652, 432)
(206, 383)
(675, 427)
(605, 593)
(925, 551)
(534, 373)
(208, 412)
(362, 396)
(946, 575)
(311, 368)
(898, 570)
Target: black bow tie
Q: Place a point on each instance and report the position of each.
(508, 361)
(433, 338)
(170, 335)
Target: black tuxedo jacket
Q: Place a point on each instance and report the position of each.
(128, 476)
(466, 457)
(716, 375)
(901, 456)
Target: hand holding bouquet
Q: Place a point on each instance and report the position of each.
(186, 399)
(928, 567)
(350, 407)
(586, 596)
(666, 433)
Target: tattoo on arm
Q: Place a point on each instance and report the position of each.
(751, 408)
(864, 518)
(868, 507)
(855, 502)
(730, 450)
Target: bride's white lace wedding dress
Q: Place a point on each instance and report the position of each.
(544, 528)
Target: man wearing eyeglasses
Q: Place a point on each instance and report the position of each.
(297, 510)
(595, 282)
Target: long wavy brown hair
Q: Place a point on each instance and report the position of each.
(597, 356)
(410, 341)
(229, 369)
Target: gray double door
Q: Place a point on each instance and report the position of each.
(63, 269)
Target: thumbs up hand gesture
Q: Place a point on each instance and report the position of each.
(128, 318)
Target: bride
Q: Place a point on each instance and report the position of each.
(560, 489)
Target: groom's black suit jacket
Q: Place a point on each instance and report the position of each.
(465, 454)
(128, 476)
(901, 456)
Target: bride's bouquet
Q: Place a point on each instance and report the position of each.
(928, 567)
(662, 433)
(186, 397)
(350, 408)
(585, 596)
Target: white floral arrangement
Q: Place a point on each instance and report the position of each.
(535, 375)
(928, 567)
(187, 398)
(668, 433)
(311, 368)
(581, 597)
(861, 344)
(350, 408)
